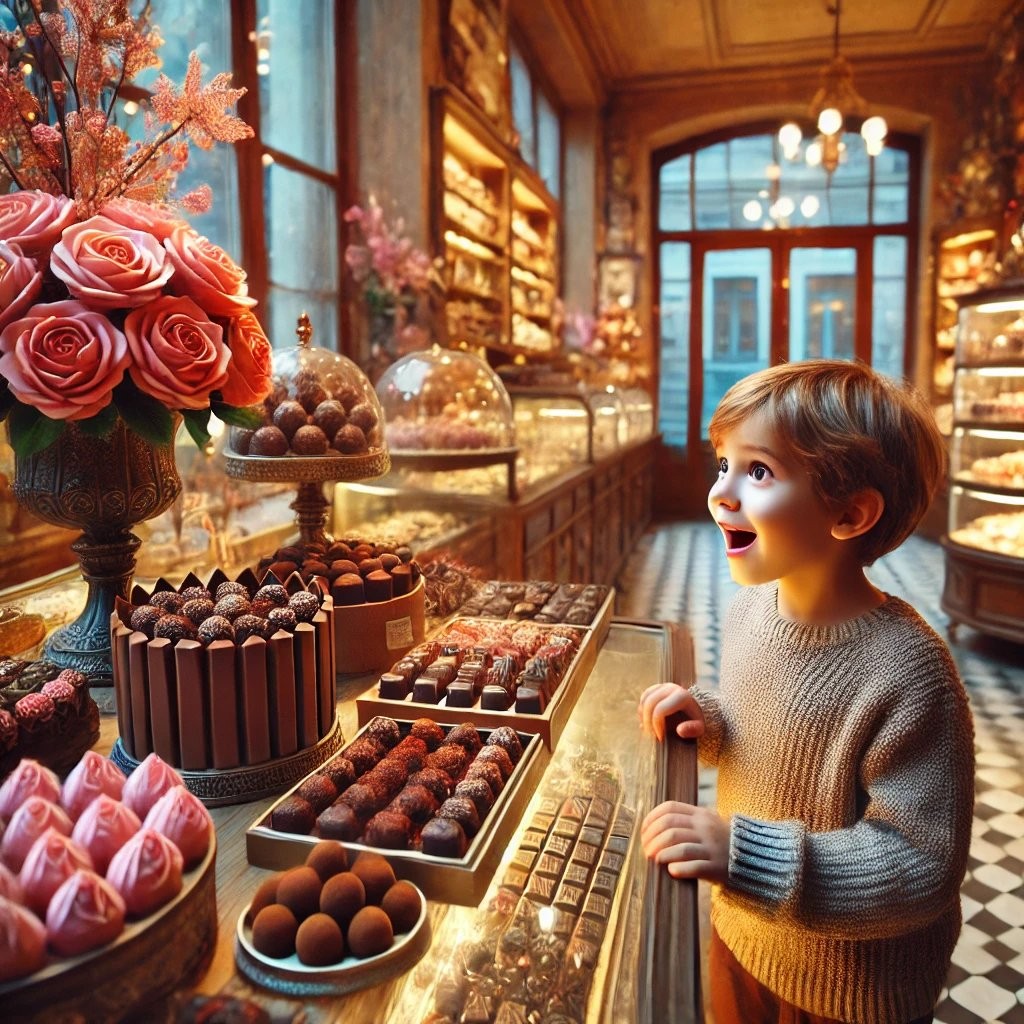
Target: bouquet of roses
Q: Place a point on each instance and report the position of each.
(111, 305)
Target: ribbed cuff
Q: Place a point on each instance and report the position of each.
(765, 857)
(710, 744)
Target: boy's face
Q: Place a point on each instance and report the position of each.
(775, 526)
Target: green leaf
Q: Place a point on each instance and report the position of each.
(142, 413)
(30, 431)
(101, 424)
(251, 418)
(197, 424)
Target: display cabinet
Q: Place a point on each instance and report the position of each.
(534, 279)
(611, 424)
(984, 584)
(639, 414)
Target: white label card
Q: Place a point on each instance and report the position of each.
(398, 632)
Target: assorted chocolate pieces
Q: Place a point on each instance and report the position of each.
(35, 697)
(220, 609)
(493, 666)
(354, 570)
(574, 603)
(539, 937)
(420, 786)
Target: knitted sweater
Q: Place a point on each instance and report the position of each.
(846, 763)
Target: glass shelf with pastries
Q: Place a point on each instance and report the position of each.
(987, 520)
(639, 414)
(993, 459)
(610, 420)
(554, 431)
(990, 329)
(989, 395)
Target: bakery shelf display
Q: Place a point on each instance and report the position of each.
(984, 545)
(534, 266)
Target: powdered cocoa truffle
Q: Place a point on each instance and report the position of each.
(309, 440)
(319, 941)
(174, 627)
(350, 440)
(216, 627)
(288, 417)
(144, 618)
(330, 416)
(363, 416)
(268, 441)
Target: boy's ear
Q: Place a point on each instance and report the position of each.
(858, 514)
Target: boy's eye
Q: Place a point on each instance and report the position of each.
(759, 471)
(723, 466)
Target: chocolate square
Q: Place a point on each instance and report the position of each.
(597, 906)
(591, 929)
(601, 810)
(523, 859)
(549, 805)
(604, 883)
(575, 808)
(550, 865)
(460, 695)
(426, 690)
(617, 844)
(540, 889)
(566, 827)
(495, 698)
(569, 897)
(582, 953)
(584, 854)
(542, 821)
(625, 822)
(515, 880)
(393, 686)
(560, 845)
(593, 836)
(577, 874)
(532, 839)
(611, 862)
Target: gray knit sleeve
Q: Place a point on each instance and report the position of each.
(710, 744)
(901, 863)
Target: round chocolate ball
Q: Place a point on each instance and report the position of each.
(498, 756)
(490, 773)
(364, 753)
(416, 802)
(450, 758)
(311, 394)
(230, 587)
(330, 416)
(319, 791)
(169, 600)
(462, 810)
(299, 890)
(282, 618)
(250, 625)
(197, 609)
(293, 814)
(435, 781)
(268, 441)
(363, 416)
(479, 792)
(283, 568)
(348, 396)
(390, 830)
(232, 606)
(384, 730)
(375, 873)
(289, 416)
(174, 627)
(350, 440)
(402, 905)
(506, 738)
(216, 627)
(241, 439)
(327, 858)
(339, 821)
(370, 932)
(309, 440)
(266, 893)
(274, 930)
(429, 731)
(144, 618)
(196, 593)
(343, 896)
(386, 777)
(305, 605)
(319, 941)
(340, 771)
(274, 593)
(314, 567)
(466, 736)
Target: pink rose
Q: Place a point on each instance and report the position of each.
(205, 272)
(178, 354)
(248, 380)
(109, 266)
(64, 359)
(34, 220)
(159, 221)
(20, 282)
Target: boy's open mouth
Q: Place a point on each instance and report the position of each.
(738, 540)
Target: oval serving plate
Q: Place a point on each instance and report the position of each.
(291, 977)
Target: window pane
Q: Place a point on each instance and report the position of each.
(284, 306)
(711, 176)
(846, 200)
(822, 303)
(549, 142)
(522, 106)
(295, 63)
(674, 212)
(889, 305)
(674, 394)
(736, 320)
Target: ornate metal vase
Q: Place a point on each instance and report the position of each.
(102, 486)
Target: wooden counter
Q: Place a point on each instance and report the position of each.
(648, 969)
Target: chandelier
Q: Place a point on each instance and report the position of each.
(834, 102)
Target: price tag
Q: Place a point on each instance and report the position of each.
(398, 633)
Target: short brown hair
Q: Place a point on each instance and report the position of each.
(851, 428)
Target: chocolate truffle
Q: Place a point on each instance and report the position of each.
(268, 441)
(216, 627)
(417, 803)
(364, 753)
(274, 593)
(435, 781)
(450, 758)
(197, 609)
(282, 618)
(305, 605)
(363, 416)
(348, 589)
(311, 394)
(490, 773)
(350, 440)
(462, 810)
(289, 416)
(319, 790)
(370, 933)
(368, 565)
(230, 587)
(339, 821)
(390, 830)
(386, 777)
(402, 905)
(232, 606)
(340, 771)
(309, 440)
(363, 799)
(169, 600)
(378, 586)
(412, 752)
(196, 593)
(293, 814)
(299, 890)
(443, 837)
(266, 893)
(144, 618)
(375, 873)
(389, 560)
(174, 627)
(506, 738)
(274, 930)
(241, 439)
(330, 416)
(479, 792)
(319, 941)
(466, 736)
(384, 730)
(495, 755)
(429, 731)
(250, 625)
(343, 896)
(328, 858)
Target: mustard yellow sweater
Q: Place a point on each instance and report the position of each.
(846, 762)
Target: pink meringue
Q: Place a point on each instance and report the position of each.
(10, 887)
(85, 912)
(22, 941)
(146, 871)
(181, 816)
(93, 775)
(148, 783)
(52, 859)
(104, 827)
(29, 822)
(29, 778)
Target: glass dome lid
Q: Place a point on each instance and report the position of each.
(441, 400)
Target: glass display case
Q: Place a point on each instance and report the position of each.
(639, 414)
(610, 425)
(984, 585)
(554, 431)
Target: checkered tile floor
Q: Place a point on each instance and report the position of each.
(680, 574)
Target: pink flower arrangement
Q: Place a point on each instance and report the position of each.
(111, 305)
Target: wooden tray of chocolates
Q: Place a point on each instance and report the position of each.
(461, 815)
(491, 672)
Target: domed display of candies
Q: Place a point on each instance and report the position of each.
(444, 401)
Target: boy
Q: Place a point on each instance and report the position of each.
(841, 730)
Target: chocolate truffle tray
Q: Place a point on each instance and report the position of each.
(523, 673)
(151, 958)
(442, 818)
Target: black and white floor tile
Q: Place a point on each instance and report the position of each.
(680, 574)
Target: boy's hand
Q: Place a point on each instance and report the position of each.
(664, 699)
(692, 841)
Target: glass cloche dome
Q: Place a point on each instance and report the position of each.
(322, 404)
(447, 401)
